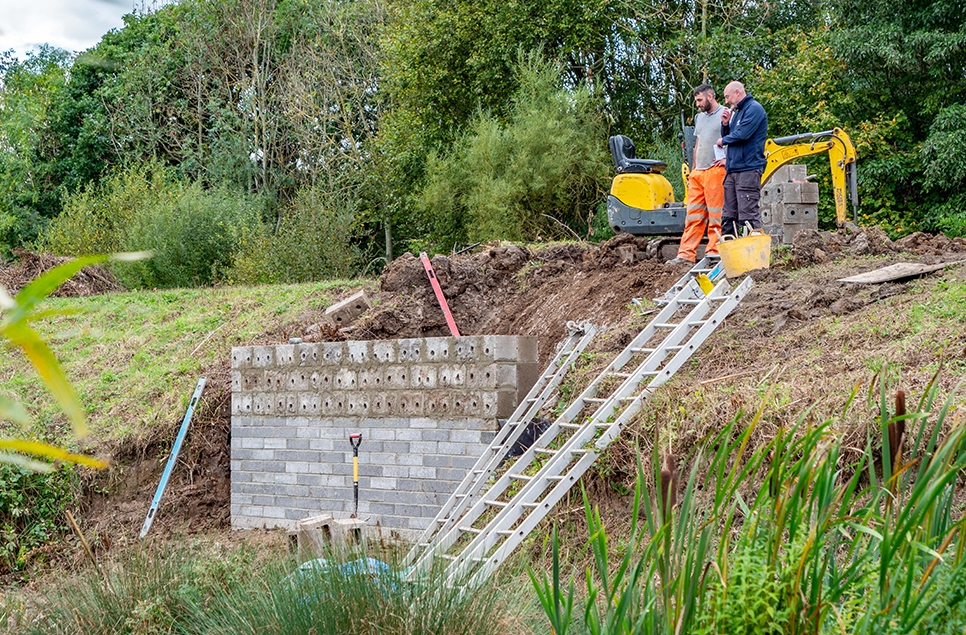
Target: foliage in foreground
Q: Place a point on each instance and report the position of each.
(791, 537)
(172, 590)
(33, 496)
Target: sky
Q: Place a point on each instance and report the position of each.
(74, 25)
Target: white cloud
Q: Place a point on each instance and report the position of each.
(74, 25)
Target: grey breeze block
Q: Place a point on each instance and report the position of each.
(789, 203)
(426, 408)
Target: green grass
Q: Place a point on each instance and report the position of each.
(135, 357)
(204, 589)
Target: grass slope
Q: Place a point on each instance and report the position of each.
(135, 357)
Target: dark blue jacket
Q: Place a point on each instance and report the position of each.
(745, 136)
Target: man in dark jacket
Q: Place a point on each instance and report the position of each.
(744, 129)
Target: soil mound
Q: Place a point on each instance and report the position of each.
(512, 290)
(93, 280)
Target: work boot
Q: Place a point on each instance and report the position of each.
(679, 261)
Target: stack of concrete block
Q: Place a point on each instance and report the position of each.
(426, 409)
(789, 204)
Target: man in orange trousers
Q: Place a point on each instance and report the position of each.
(706, 185)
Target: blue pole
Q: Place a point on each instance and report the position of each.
(173, 457)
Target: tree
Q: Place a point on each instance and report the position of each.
(29, 92)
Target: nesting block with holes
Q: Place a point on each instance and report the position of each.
(789, 203)
(426, 408)
(345, 312)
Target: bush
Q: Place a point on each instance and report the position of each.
(313, 242)
(32, 509)
(523, 179)
(194, 233)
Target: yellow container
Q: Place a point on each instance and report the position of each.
(745, 254)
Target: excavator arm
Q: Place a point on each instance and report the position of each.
(842, 158)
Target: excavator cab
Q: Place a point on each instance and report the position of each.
(641, 200)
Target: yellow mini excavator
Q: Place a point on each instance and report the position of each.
(641, 200)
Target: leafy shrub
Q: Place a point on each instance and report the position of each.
(945, 169)
(32, 509)
(193, 232)
(314, 241)
(522, 179)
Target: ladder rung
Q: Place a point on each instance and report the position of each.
(460, 495)
(638, 351)
(520, 477)
(594, 399)
(602, 425)
(690, 301)
(676, 347)
(697, 323)
(530, 505)
(472, 530)
(505, 532)
(545, 451)
(478, 471)
(571, 426)
(493, 503)
(555, 479)
(621, 375)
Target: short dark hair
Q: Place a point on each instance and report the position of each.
(704, 88)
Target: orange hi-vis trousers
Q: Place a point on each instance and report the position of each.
(705, 200)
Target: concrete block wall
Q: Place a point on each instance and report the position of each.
(789, 203)
(426, 408)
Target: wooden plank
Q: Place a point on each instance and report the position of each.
(897, 271)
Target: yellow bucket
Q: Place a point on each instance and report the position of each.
(745, 254)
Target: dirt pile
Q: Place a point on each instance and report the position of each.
(512, 290)
(93, 280)
(812, 247)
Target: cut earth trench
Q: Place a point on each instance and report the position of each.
(501, 290)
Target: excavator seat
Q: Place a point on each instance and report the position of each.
(622, 149)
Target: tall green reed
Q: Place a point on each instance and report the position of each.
(790, 536)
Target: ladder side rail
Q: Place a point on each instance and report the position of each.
(728, 302)
(691, 291)
(561, 487)
(485, 540)
(536, 397)
(497, 450)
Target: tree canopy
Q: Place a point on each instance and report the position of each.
(394, 124)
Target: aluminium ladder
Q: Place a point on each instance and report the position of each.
(568, 351)
(486, 533)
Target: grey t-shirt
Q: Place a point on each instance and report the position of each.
(707, 131)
